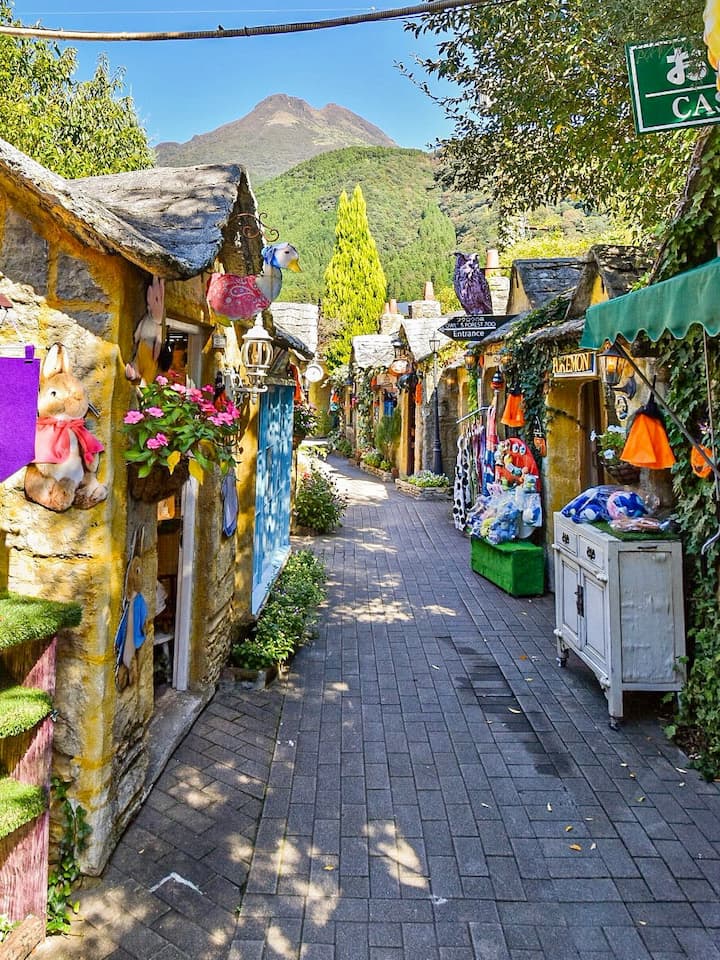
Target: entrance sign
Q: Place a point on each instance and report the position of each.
(672, 85)
(474, 326)
(578, 364)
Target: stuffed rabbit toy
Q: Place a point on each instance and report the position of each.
(63, 473)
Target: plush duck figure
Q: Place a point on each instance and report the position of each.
(242, 298)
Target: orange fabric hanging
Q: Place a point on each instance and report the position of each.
(647, 444)
(700, 467)
(418, 393)
(513, 415)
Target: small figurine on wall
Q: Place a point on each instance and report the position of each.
(148, 338)
(64, 472)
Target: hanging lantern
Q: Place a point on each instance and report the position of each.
(498, 380)
(256, 354)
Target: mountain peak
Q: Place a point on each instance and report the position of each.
(278, 133)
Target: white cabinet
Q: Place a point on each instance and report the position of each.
(619, 607)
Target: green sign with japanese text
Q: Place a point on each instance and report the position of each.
(672, 85)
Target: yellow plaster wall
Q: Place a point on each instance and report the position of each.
(101, 735)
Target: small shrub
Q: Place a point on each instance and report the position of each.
(373, 458)
(290, 609)
(426, 478)
(65, 874)
(387, 433)
(323, 424)
(304, 419)
(318, 504)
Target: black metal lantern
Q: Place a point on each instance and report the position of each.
(498, 380)
(398, 348)
(617, 371)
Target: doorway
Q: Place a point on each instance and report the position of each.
(175, 518)
(589, 424)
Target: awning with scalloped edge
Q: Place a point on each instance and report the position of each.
(672, 305)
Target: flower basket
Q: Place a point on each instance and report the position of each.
(619, 471)
(159, 483)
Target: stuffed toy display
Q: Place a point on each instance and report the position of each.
(64, 472)
(242, 298)
(148, 338)
(130, 634)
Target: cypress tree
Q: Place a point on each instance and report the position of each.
(355, 286)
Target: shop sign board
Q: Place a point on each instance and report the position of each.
(672, 85)
(474, 326)
(581, 363)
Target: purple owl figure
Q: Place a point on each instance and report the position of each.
(471, 285)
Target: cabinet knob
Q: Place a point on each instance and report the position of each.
(566, 538)
(590, 551)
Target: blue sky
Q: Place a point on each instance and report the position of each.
(183, 88)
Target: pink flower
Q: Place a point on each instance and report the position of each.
(208, 389)
(196, 395)
(179, 388)
(163, 381)
(159, 440)
(133, 416)
(155, 412)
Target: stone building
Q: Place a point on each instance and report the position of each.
(76, 261)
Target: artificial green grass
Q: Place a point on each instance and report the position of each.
(23, 619)
(21, 708)
(19, 804)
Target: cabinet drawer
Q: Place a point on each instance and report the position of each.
(591, 553)
(566, 540)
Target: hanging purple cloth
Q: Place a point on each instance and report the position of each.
(20, 377)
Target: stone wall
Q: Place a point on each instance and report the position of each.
(90, 301)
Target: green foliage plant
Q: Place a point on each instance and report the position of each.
(304, 419)
(318, 503)
(289, 613)
(387, 433)
(6, 926)
(174, 421)
(567, 129)
(65, 874)
(426, 478)
(75, 128)
(355, 285)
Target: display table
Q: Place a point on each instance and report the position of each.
(518, 567)
(619, 607)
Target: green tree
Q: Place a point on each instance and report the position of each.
(355, 286)
(74, 128)
(541, 104)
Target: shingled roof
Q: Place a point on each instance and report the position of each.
(170, 221)
(372, 350)
(541, 279)
(618, 268)
(300, 320)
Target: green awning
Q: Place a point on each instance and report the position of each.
(672, 305)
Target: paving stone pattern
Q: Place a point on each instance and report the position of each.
(437, 788)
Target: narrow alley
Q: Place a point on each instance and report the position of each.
(437, 789)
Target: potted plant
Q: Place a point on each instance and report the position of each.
(304, 421)
(176, 432)
(608, 447)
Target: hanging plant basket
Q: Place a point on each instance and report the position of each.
(159, 484)
(619, 471)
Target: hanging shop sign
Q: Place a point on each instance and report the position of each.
(474, 326)
(672, 85)
(581, 363)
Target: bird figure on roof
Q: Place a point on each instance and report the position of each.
(470, 284)
(242, 298)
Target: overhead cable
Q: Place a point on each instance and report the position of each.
(436, 6)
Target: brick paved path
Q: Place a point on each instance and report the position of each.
(441, 789)
(436, 788)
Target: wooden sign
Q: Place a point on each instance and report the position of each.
(474, 326)
(581, 363)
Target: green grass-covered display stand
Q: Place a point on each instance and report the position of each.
(518, 567)
(28, 629)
